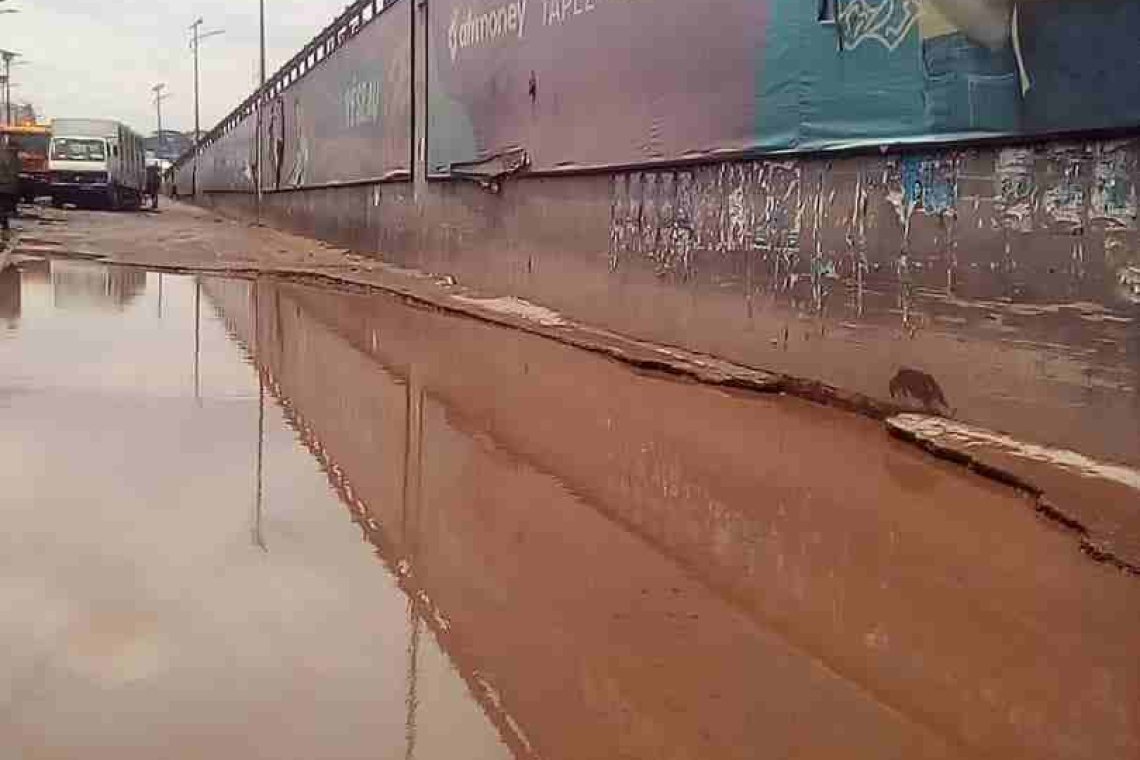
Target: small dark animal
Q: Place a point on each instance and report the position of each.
(917, 386)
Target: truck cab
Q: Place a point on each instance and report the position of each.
(79, 170)
(95, 162)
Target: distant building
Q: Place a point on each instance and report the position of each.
(171, 145)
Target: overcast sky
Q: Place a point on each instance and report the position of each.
(100, 58)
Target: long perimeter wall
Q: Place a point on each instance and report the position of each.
(861, 193)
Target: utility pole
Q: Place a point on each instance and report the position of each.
(8, 55)
(261, 6)
(194, 40)
(195, 43)
(260, 109)
(158, 98)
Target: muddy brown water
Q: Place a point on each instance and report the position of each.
(267, 520)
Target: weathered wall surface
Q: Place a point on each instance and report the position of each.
(1008, 280)
(999, 284)
(228, 165)
(351, 118)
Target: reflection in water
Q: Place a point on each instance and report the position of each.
(197, 341)
(84, 284)
(575, 561)
(125, 591)
(412, 679)
(256, 534)
(9, 297)
(685, 572)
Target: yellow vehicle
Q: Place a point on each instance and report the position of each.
(31, 143)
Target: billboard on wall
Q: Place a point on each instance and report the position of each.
(228, 165)
(583, 83)
(350, 118)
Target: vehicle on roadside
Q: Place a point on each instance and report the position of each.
(31, 142)
(96, 163)
(9, 180)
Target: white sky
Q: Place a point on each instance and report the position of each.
(100, 58)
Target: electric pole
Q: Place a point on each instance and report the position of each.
(8, 55)
(159, 96)
(262, 19)
(195, 42)
(260, 108)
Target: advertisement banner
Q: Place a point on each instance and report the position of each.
(228, 165)
(591, 83)
(349, 118)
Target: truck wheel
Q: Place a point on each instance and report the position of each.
(56, 202)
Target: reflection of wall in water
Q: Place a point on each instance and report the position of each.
(35, 271)
(85, 284)
(10, 296)
(449, 436)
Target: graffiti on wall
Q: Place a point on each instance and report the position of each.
(827, 234)
(887, 22)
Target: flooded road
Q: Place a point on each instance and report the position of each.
(271, 520)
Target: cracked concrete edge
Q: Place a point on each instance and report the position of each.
(642, 355)
(639, 354)
(645, 356)
(718, 372)
(1042, 504)
(423, 289)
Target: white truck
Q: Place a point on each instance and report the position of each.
(96, 163)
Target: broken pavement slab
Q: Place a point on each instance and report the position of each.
(1098, 500)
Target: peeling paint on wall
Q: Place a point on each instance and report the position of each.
(1013, 177)
(1063, 199)
(757, 211)
(1113, 200)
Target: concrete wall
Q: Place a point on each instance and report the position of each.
(998, 284)
(1004, 281)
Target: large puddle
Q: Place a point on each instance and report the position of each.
(266, 520)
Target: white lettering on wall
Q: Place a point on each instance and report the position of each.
(470, 28)
(361, 103)
(561, 11)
